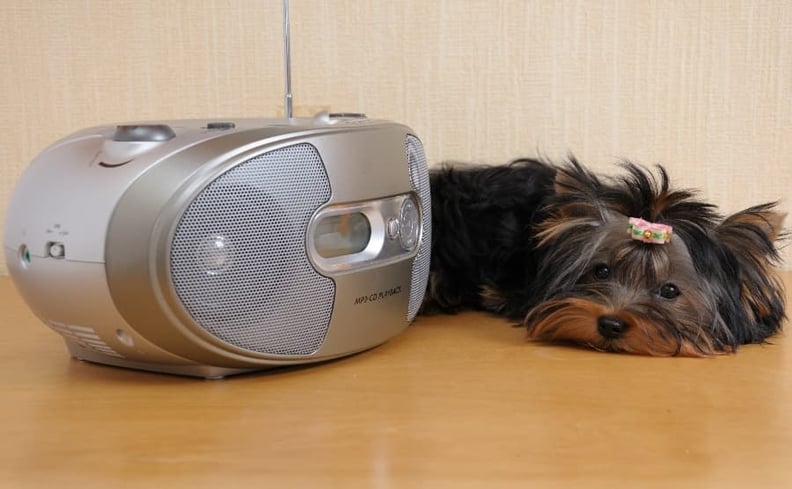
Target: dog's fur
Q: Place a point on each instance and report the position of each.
(547, 245)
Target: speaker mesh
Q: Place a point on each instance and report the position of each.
(419, 178)
(238, 261)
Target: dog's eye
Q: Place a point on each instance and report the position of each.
(669, 291)
(601, 272)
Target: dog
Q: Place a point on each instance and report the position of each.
(623, 263)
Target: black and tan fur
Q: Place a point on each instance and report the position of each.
(547, 245)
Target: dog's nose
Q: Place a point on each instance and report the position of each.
(610, 327)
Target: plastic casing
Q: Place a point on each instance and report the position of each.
(112, 206)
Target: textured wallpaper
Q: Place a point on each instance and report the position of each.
(704, 88)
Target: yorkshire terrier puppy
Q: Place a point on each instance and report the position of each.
(618, 264)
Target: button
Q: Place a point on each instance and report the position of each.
(220, 126)
(56, 250)
(347, 115)
(339, 117)
(409, 224)
(393, 228)
(144, 133)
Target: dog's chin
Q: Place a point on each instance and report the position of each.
(574, 321)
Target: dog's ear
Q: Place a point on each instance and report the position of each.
(751, 237)
(752, 233)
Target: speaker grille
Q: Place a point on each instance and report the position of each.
(238, 260)
(419, 178)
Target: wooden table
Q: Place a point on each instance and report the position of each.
(456, 402)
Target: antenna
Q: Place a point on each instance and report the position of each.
(287, 104)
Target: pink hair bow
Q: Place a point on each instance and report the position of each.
(648, 232)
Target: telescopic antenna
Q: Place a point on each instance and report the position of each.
(287, 60)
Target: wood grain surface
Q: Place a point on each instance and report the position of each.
(454, 402)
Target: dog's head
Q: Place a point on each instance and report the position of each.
(631, 265)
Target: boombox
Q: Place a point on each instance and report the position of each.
(213, 247)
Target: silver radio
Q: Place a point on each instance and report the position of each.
(212, 247)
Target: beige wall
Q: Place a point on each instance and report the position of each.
(703, 87)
